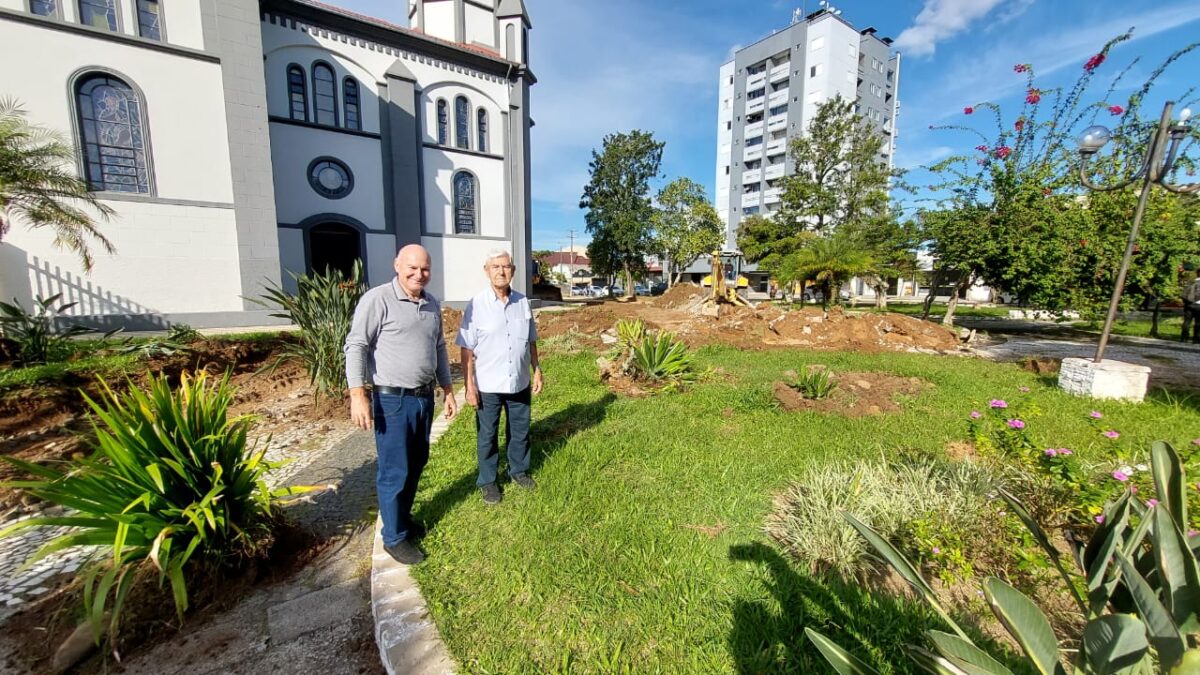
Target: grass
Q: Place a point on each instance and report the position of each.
(939, 310)
(607, 566)
(1169, 327)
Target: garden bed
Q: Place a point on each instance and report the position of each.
(856, 394)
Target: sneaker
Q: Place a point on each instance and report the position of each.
(405, 553)
(415, 531)
(524, 480)
(491, 494)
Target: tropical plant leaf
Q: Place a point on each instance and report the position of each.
(841, 660)
(1114, 643)
(1026, 623)
(1161, 628)
(1178, 574)
(965, 655)
(1169, 481)
(1035, 529)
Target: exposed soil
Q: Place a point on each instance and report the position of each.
(766, 327)
(856, 394)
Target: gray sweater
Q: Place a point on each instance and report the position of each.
(395, 341)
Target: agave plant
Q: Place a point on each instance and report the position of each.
(172, 479)
(1142, 601)
(662, 357)
(34, 332)
(814, 384)
(630, 332)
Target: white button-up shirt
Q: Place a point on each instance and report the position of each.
(499, 334)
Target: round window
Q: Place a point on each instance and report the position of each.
(330, 177)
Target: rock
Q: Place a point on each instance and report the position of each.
(807, 330)
(73, 650)
(862, 384)
(873, 410)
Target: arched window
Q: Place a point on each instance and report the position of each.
(510, 42)
(98, 13)
(113, 143)
(462, 123)
(464, 203)
(482, 128)
(324, 95)
(443, 122)
(350, 105)
(149, 15)
(298, 93)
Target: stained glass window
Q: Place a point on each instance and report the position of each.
(483, 130)
(443, 122)
(350, 104)
(462, 123)
(98, 13)
(298, 93)
(324, 96)
(44, 7)
(464, 203)
(110, 119)
(149, 19)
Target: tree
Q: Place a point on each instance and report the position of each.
(617, 198)
(39, 187)
(829, 262)
(892, 246)
(686, 225)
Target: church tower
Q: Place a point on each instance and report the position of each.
(503, 28)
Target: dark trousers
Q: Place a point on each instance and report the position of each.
(1191, 321)
(516, 429)
(402, 425)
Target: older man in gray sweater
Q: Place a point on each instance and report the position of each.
(396, 347)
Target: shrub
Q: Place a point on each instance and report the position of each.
(945, 505)
(146, 349)
(323, 308)
(814, 383)
(661, 357)
(181, 333)
(34, 333)
(630, 332)
(172, 482)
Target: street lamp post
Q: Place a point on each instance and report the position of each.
(1160, 159)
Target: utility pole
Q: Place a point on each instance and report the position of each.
(572, 249)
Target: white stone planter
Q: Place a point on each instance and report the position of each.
(1107, 379)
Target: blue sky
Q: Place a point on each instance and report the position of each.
(615, 65)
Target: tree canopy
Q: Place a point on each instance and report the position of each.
(686, 226)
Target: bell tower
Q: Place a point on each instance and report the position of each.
(502, 29)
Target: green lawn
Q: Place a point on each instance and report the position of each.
(1169, 328)
(600, 569)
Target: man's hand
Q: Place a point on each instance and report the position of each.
(537, 380)
(451, 405)
(360, 408)
(472, 396)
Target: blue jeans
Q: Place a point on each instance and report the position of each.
(402, 425)
(516, 429)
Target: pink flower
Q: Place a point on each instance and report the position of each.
(1021, 68)
(997, 403)
(1025, 390)
(1196, 441)
(1016, 424)
(982, 148)
(1152, 503)
(1193, 533)
(1120, 476)
(1100, 519)
(975, 415)
(1003, 152)
(1133, 489)
(968, 110)
(1065, 451)
(1051, 452)
(1033, 96)
(1094, 62)
(1112, 434)
(1019, 124)
(1115, 109)
(936, 550)
(1095, 414)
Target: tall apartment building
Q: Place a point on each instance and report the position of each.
(769, 93)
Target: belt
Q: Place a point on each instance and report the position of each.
(423, 391)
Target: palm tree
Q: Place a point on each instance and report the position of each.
(39, 187)
(830, 262)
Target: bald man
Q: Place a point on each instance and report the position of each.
(396, 348)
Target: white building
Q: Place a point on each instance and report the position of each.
(769, 93)
(239, 140)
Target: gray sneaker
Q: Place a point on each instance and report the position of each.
(524, 480)
(405, 553)
(491, 494)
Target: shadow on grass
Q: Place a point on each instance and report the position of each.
(546, 436)
(1184, 399)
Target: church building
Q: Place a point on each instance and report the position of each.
(238, 141)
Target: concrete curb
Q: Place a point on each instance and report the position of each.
(408, 640)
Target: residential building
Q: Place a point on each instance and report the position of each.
(242, 141)
(769, 92)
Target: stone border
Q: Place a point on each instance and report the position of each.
(409, 642)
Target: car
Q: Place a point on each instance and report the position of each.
(581, 291)
(641, 289)
(659, 288)
(597, 291)
(616, 291)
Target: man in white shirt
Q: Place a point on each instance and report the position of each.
(499, 347)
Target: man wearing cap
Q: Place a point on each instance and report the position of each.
(396, 348)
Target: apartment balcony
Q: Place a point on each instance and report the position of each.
(777, 122)
(772, 196)
(774, 171)
(751, 199)
(779, 72)
(752, 153)
(778, 98)
(753, 129)
(756, 81)
(757, 105)
(777, 147)
(752, 176)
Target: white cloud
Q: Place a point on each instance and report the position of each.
(940, 20)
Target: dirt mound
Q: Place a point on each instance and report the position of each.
(856, 395)
(679, 295)
(836, 329)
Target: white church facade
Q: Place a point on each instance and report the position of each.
(240, 140)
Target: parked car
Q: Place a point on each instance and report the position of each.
(659, 288)
(616, 291)
(581, 291)
(641, 289)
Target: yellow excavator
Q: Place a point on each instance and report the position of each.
(726, 281)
